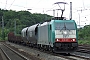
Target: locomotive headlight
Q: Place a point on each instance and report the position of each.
(57, 40)
(73, 39)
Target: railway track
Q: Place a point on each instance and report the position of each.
(71, 56)
(84, 49)
(11, 54)
(64, 56)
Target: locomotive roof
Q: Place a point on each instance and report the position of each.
(64, 20)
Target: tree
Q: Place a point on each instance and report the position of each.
(23, 19)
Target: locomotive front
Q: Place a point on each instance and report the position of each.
(65, 36)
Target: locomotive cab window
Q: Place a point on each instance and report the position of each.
(65, 25)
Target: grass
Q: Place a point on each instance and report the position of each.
(83, 41)
(2, 39)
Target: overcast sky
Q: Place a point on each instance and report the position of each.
(42, 6)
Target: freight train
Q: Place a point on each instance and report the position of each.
(58, 35)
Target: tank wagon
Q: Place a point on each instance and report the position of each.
(29, 35)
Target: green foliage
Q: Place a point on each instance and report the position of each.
(84, 41)
(84, 35)
(23, 19)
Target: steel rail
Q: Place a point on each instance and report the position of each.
(5, 54)
(22, 56)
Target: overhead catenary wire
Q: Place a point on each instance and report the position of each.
(11, 4)
(5, 5)
(83, 4)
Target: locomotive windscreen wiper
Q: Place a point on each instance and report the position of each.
(65, 28)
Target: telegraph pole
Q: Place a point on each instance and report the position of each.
(2, 28)
(15, 27)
